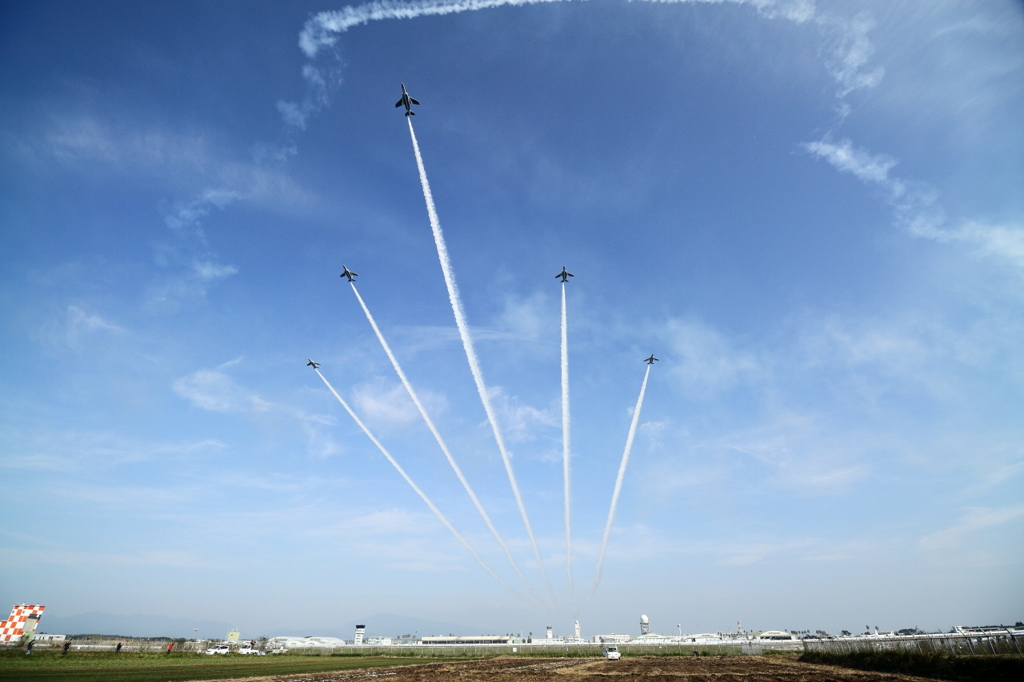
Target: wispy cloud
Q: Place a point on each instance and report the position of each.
(865, 166)
(205, 177)
(974, 521)
(215, 391)
(521, 423)
(14, 557)
(81, 324)
(74, 450)
(848, 51)
(801, 453)
(388, 403)
(705, 362)
(399, 539)
(916, 206)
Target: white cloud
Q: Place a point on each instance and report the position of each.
(802, 453)
(187, 164)
(185, 161)
(705, 362)
(1003, 241)
(916, 205)
(17, 557)
(212, 271)
(524, 319)
(217, 392)
(87, 141)
(974, 521)
(383, 403)
(865, 166)
(521, 423)
(400, 539)
(849, 50)
(81, 323)
(896, 346)
(76, 450)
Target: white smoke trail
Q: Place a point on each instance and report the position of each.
(566, 451)
(618, 485)
(320, 30)
(440, 441)
(467, 344)
(423, 495)
(317, 33)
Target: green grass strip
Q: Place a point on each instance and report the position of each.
(168, 668)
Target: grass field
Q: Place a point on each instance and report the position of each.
(47, 666)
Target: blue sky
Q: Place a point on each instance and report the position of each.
(810, 211)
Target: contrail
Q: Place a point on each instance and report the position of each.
(618, 484)
(317, 33)
(566, 452)
(467, 344)
(423, 495)
(440, 441)
(320, 30)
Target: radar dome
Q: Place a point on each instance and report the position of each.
(643, 619)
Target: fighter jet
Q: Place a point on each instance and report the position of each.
(564, 274)
(651, 360)
(407, 101)
(348, 273)
(312, 364)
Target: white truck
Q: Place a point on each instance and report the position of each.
(612, 653)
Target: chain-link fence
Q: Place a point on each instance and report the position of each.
(993, 642)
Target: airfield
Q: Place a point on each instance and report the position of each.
(193, 668)
(684, 669)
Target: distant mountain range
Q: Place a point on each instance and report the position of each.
(380, 624)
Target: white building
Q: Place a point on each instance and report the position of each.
(472, 639)
(304, 642)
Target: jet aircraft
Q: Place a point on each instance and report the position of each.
(407, 101)
(348, 273)
(564, 274)
(651, 360)
(312, 364)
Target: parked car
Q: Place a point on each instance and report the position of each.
(251, 650)
(219, 649)
(612, 653)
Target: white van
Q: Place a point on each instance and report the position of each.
(612, 653)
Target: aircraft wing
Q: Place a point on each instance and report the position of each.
(414, 101)
(399, 103)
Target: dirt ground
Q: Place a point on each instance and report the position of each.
(661, 669)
